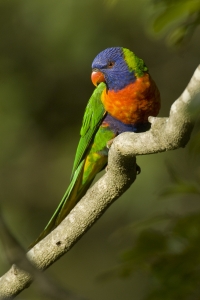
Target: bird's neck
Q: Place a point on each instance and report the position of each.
(117, 82)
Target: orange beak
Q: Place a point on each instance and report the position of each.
(97, 77)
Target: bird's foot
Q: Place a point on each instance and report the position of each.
(109, 143)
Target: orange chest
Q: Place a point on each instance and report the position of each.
(135, 103)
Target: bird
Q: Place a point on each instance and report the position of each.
(124, 97)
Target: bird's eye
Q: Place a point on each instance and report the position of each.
(110, 64)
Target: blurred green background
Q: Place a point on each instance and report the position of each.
(46, 51)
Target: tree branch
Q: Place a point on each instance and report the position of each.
(165, 134)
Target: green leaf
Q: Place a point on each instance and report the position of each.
(175, 11)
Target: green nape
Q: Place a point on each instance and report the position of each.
(134, 63)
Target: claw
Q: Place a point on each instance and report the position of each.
(109, 143)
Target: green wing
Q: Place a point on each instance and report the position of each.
(93, 116)
(94, 113)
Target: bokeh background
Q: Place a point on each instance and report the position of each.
(46, 51)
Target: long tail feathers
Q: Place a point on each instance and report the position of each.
(68, 201)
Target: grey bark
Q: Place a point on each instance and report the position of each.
(165, 134)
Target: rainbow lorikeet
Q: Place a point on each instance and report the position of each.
(124, 98)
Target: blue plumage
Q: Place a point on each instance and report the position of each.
(112, 64)
(119, 127)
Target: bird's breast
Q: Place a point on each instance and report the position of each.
(134, 103)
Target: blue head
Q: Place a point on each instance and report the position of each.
(119, 66)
